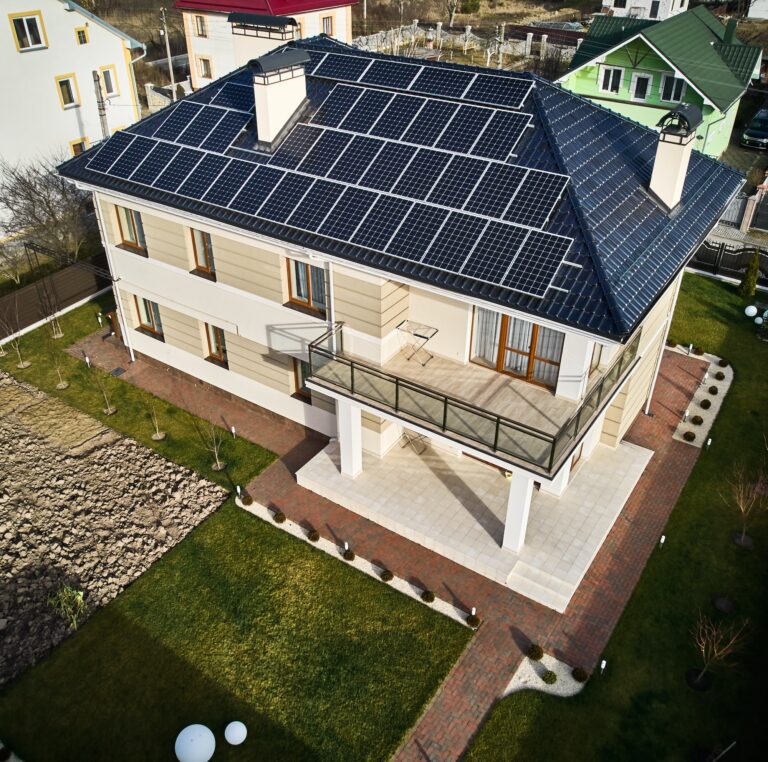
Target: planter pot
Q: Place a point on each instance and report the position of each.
(700, 686)
(724, 604)
(158, 436)
(745, 542)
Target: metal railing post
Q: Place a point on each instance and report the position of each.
(352, 378)
(445, 412)
(496, 434)
(397, 394)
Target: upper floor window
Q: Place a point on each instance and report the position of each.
(672, 88)
(131, 229)
(201, 26)
(109, 80)
(78, 146)
(641, 86)
(307, 286)
(69, 95)
(81, 35)
(619, 3)
(328, 25)
(28, 30)
(654, 14)
(203, 253)
(610, 79)
(149, 317)
(204, 68)
(217, 348)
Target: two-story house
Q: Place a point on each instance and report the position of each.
(50, 53)
(223, 35)
(393, 252)
(642, 68)
(644, 9)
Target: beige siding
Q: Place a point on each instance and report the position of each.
(109, 220)
(258, 363)
(394, 305)
(129, 309)
(182, 331)
(166, 241)
(248, 268)
(372, 308)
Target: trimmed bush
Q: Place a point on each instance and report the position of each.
(473, 621)
(349, 554)
(723, 363)
(720, 376)
(671, 343)
(689, 436)
(279, 517)
(549, 677)
(706, 404)
(713, 390)
(697, 420)
(386, 576)
(698, 351)
(246, 499)
(428, 596)
(313, 535)
(751, 274)
(535, 652)
(580, 675)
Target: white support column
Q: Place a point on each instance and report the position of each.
(592, 439)
(557, 486)
(350, 431)
(574, 366)
(518, 507)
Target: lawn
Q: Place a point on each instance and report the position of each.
(183, 443)
(641, 709)
(239, 621)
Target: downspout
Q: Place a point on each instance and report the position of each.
(706, 132)
(331, 309)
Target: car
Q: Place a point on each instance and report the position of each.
(756, 133)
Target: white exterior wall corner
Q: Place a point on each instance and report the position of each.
(642, 8)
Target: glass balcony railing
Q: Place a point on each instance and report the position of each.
(457, 419)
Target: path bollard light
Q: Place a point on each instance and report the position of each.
(238, 490)
(474, 611)
(662, 540)
(234, 435)
(196, 743)
(88, 361)
(706, 377)
(235, 733)
(685, 415)
(603, 665)
(346, 547)
(690, 348)
(98, 317)
(709, 442)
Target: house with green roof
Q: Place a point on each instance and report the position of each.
(642, 68)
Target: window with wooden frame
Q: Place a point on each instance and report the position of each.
(78, 146)
(109, 80)
(203, 254)
(81, 35)
(131, 229)
(328, 25)
(68, 91)
(149, 318)
(28, 31)
(204, 68)
(217, 347)
(201, 26)
(306, 286)
(517, 347)
(301, 374)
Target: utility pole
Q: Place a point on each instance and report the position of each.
(101, 105)
(164, 32)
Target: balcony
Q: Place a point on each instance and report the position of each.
(515, 421)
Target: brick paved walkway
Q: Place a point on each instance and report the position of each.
(510, 622)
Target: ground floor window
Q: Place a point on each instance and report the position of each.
(217, 347)
(149, 317)
(301, 373)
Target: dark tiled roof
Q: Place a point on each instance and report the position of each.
(626, 248)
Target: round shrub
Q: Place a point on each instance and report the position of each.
(313, 535)
(671, 343)
(713, 390)
(428, 596)
(349, 554)
(722, 362)
(246, 499)
(689, 436)
(720, 376)
(697, 420)
(706, 404)
(549, 677)
(698, 351)
(580, 675)
(279, 517)
(473, 621)
(535, 652)
(386, 575)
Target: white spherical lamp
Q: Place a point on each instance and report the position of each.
(758, 321)
(235, 733)
(750, 311)
(196, 743)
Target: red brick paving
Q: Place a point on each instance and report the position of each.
(510, 621)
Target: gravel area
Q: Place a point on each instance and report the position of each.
(79, 505)
(528, 677)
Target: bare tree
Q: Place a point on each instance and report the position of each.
(13, 261)
(213, 438)
(39, 203)
(10, 326)
(158, 435)
(717, 641)
(54, 355)
(743, 494)
(452, 8)
(101, 382)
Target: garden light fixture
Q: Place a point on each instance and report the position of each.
(196, 743)
(662, 540)
(234, 434)
(603, 665)
(235, 733)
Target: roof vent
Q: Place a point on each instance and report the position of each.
(673, 152)
(730, 32)
(279, 91)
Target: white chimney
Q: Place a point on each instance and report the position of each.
(279, 89)
(673, 152)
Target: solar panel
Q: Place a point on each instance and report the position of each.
(315, 57)
(346, 215)
(175, 124)
(353, 163)
(335, 107)
(229, 182)
(285, 197)
(256, 190)
(495, 189)
(501, 135)
(495, 251)
(455, 241)
(381, 222)
(201, 126)
(438, 81)
(207, 94)
(422, 172)
(342, 67)
(464, 128)
(316, 205)
(366, 111)
(537, 263)
(109, 151)
(499, 90)
(458, 181)
(203, 175)
(325, 152)
(417, 231)
(294, 148)
(537, 197)
(397, 116)
(391, 74)
(226, 131)
(388, 165)
(148, 126)
(238, 97)
(176, 172)
(136, 152)
(430, 122)
(155, 163)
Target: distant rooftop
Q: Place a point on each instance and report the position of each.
(267, 7)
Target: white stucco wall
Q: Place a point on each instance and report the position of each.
(641, 8)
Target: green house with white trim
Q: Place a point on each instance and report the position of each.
(642, 68)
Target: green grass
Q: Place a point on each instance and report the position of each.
(239, 621)
(642, 709)
(183, 443)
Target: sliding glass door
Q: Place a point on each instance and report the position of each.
(517, 347)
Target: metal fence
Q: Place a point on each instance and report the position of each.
(723, 260)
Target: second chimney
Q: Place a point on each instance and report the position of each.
(279, 90)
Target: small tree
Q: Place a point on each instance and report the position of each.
(70, 603)
(716, 642)
(470, 6)
(452, 8)
(743, 494)
(13, 260)
(749, 281)
(10, 326)
(54, 355)
(101, 382)
(211, 438)
(158, 435)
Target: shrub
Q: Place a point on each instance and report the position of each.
(535, 652)
(313, 535)
(697, 420)
(549, 677)
(279, 517)
(698, 351)
(427, 596)
(386, 575)
(722, 362)
(706, 404)
(720, 376)
(473, 621)
(580, 675)
(712, 390)
(349, 554)
(689, 436)
(246, 499)
(749, 281)
(671, 343)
